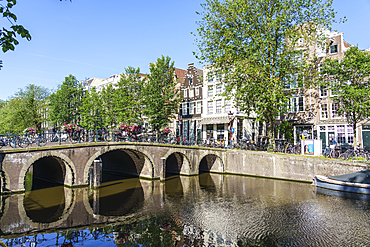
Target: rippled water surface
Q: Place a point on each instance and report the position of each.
(205, 210)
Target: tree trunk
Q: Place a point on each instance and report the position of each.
(354, 126)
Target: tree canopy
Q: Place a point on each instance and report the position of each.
(348, 80)
(65, 103)
(160, 97)
(254, 45)
(26, 108)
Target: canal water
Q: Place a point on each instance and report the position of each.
(204, 210)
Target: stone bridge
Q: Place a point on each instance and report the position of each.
(74, 166)
(91, 164)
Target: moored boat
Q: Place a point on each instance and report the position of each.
(357, 182)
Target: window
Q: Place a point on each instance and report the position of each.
(227, 106)
(300, 41)
(210, 76)
(341, 134)
(324, 111)
(191, 108)
(334, 110)
(190, 80)
(218, 89)
(322, 128)
(210, 91)
(323, 92)
(199, 107)
(197, 91)
(296, 104)
(191, 92)
(185, 109)
(210, 107)
(350, 134)
(218, 76)
(333, 49)
(218, 106)
(220, 131)
(185, 93)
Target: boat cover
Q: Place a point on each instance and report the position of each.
(362, 177)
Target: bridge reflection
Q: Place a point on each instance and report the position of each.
(115, 201)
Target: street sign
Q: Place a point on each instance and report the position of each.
(232, 130)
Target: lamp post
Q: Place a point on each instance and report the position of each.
(231, 118)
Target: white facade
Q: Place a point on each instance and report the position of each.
(220, 116)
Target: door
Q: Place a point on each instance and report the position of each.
(366, 139)
(323, 138)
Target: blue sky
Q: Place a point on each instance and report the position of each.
(91, 38)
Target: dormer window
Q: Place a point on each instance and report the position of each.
(333, 49)
(190, 81)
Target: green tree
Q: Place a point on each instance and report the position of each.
(26, 108)
(8, 35)
(348, 80)
(253, 44)
(91, 110)
(65, 103)
(109, 112)
(128, 97)
(160, 97)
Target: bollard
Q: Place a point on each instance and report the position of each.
(60, 138)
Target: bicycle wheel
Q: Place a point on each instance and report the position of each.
(42, 141)
(24, 142)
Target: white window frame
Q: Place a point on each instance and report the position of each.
(191, 92)
(199, 107)
(218, 89)
(323, 90)
(321, 111)
(218, 106)
(210, 107)
(191, 108)
(334, 114)
(210, 91)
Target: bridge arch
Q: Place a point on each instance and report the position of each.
(70, 169)
(147, 170)
(69, 204)
(180, 157)
(211, 161)
(4, 181)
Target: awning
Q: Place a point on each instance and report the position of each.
(221, 120)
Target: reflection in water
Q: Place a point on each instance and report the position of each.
(173, 187)
(206, 182)
(45, 205)
(242, 211)
(117, 198)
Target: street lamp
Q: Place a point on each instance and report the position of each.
(231, 118)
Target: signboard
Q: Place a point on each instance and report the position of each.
(311, 147)
(232, 130)
(308, 147)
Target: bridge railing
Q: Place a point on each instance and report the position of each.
(62, 138)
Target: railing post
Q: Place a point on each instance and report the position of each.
(38, 140)
(15, 141)
(60, 138)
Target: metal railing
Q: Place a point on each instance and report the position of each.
(62, 138)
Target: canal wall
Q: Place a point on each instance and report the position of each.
(286, 166)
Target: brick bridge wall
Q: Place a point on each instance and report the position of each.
(153, 161)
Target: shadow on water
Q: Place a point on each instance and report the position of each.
(45, 205)
(206, 182)
(342, 194)
(118, 198)
(173, 187)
